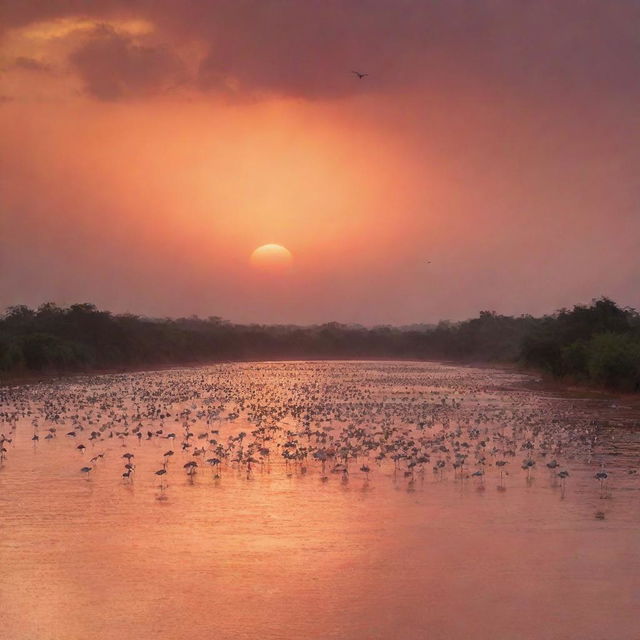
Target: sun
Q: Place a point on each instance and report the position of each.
(272, 257)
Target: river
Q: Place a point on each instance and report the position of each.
(366, 500)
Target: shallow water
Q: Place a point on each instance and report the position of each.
(278, 552)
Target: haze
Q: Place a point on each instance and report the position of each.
(489, 160)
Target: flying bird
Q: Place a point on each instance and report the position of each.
(360, 74)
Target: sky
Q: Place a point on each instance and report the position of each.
(489, 161)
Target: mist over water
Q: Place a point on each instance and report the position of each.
(279, 548)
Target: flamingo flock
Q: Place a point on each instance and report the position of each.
(343, 420)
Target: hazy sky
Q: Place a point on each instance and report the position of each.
(148, 147)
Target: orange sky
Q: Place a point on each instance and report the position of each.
(146, 152)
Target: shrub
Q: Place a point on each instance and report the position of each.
(614, 360)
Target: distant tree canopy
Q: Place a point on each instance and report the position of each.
(598, 343)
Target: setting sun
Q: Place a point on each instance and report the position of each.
(272, 257)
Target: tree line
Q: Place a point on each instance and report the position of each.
(597, 343)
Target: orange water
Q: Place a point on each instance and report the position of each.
(284, 555)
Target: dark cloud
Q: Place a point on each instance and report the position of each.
(18, 13)
(298, 49)
(306, 48)
(113, 66)
(31, 64)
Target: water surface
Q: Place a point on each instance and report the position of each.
(280, 549)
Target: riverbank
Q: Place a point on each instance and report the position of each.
(598, 344)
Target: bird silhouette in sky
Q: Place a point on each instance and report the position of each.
(360, 74)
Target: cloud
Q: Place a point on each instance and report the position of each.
(307, 49)
(31, 64)
(114, 66)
